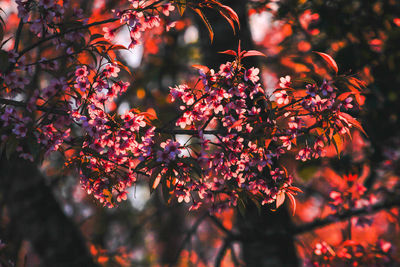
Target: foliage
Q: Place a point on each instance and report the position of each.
(61, 95)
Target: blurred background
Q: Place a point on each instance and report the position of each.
(363, 36)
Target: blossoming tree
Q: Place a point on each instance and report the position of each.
(62, 80)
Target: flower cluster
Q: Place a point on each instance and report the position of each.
(112, 144)
(238, 132)
(353, 197)
(352, 253)
(71, 112)
(243, 132)
(139, 19)
(49, 13)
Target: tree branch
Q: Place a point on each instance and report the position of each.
(346, 215)
(222, 252)
(18, 35)
(27, 49)
(36, 216)
(23, 105)
(187, 237)
(188, 132)
(223, 228)
(48, 38)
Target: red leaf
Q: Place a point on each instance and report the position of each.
(237, 123)
(229, 14)
(155, 178)
(353, 121)
(338, 143)
(125, 68)
(206, 22)
(267, 142)
(149, 116)
(102, 259)
(156, 181)
(350, 243)
(280, 198)
(293, 201)
(232, 14)
(229, 21)
(229, 52)
(253, 53)
(201, 67)
(331, 62)
(358, 84)
(295, 189)
(118, 47)
(344, 95)
(181, 6)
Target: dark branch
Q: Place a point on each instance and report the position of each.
(27, 49)
(24, 105)
(346, 215)
(189, 234)
(188, 132)
(222, 252)
(229, 233)
(18, 35)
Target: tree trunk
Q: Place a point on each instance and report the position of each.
(36, 216)
(266, 237)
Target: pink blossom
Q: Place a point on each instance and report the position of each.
(251, 75)
(226, 70)
(282, 97)
(109, 34)
(166, 8)
(81, 72)
(285, 82)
